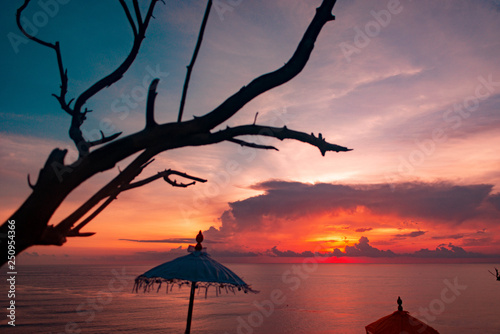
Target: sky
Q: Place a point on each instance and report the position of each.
(413, 87)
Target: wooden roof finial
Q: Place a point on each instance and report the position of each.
(199, 239)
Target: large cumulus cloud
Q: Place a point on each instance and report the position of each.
(441, 203)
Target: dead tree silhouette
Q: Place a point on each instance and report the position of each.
(58, 178)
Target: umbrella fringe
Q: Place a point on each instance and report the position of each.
(149, 284)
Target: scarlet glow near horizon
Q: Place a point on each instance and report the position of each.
(412, 87)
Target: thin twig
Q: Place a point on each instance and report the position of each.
(165, 174)
(150, 105)
(195, 54)
(137, 12)
(104, 139)
(252, 145)
(129, 17)
(62, 72)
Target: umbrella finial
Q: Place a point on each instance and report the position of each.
(199, 239)
(400, 304)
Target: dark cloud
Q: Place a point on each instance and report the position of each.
(285, 206)
(413, 234)
(275, 252)
(32, 254)
(360, 249)
(170, 240)
(363, 229)
(363, 248)
(477, 241)
(282, 201)
(453, 236)
(495, 200)
(329, 240)
(442, 251)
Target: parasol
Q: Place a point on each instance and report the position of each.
(197, 269)
(399, 322)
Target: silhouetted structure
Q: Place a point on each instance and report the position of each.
(399, 322)
(197, 269)
(400, 304)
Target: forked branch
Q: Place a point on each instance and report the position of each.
(118, 73)
(111, 189)
(166, 176)
(63, 74)
(104, 139)
(75, 232)
(270, 80)
(228, 134)
(252, 145)
(129, 17)
(79, 116)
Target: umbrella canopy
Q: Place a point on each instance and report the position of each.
(399, 322)
(197, 269)
(197, 266)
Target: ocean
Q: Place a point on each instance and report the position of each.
(294, 298)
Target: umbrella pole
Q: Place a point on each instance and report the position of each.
(190, 310)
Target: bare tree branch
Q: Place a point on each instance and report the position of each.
(33, 38)
(150, 105)
(110, 189)
(184, 175)
(78, 117)
(244, 143)
(59, 179)
(195, 54)
(104, 139)
(165, 175)
(117, 74)
(278, 133)
(29, 183)
(270, 80)
(75, 232)
(167, 134)
(129, 17)
(62, 72)
(137, 12)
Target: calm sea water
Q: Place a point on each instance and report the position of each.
(293, 298)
